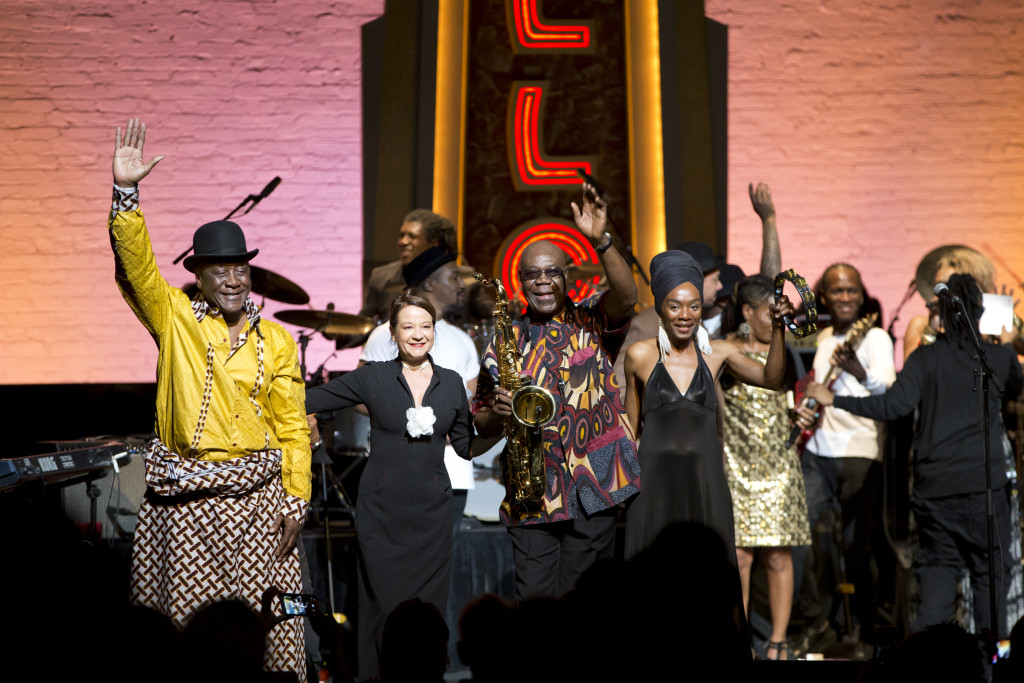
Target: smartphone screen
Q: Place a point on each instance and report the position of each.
(1002, 649)
(298, 604)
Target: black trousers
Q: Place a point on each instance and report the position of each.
(953, 533)
(549, 558)
(846, 487)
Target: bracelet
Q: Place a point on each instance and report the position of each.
(806, 296)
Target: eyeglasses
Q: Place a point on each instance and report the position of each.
(534, 274)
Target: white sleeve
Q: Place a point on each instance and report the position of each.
(472, 370)
(880, 365)
(379, 346)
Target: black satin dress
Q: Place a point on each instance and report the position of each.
(681, 456)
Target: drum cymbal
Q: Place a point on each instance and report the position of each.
(277, 287)
(924, 276)
(267, 284)
(329, 322)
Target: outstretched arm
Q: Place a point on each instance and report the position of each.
(900, 399)
(771, 374)
(136, 272)
(591, 221)
(341, 392)
(771, 253)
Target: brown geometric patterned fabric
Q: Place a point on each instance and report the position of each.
(203, 536)
(125, 198)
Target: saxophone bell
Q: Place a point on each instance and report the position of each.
(532, 406)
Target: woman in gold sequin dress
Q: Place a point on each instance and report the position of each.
(769, 502)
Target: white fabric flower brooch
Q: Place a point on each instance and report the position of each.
(420, 421)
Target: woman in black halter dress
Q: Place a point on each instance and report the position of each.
(683, 476)
(671, 400)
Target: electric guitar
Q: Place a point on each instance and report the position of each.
(853, 339)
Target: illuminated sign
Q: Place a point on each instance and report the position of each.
(563, 234)
(531, 32)
(531, 170)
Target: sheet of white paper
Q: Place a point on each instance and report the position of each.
(998, 313)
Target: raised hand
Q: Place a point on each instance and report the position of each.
(592, 218)
(128, 166)
(761, 199)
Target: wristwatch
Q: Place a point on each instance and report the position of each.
(607, 244)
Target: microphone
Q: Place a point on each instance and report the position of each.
(264, 193)
(254, 198)
(271, 186)
(942, 291)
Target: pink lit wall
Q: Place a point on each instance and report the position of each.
(234, 93)
(884, 128)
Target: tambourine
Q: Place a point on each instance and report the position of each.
(806, 296)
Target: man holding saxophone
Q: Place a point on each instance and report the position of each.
(589, 459)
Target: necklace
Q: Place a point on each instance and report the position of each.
(414, 368)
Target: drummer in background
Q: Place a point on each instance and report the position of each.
(420, 230)
(436, 277)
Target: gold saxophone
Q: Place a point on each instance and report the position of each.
(532, 407)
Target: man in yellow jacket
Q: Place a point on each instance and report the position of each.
(229, 472)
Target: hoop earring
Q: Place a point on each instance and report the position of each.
(744, 330)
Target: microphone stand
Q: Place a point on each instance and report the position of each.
(633, 263)
(627, 251)
(253, 198)
(985, 371)
(896, 315)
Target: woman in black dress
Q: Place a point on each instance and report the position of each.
(403, 510)
(671, 401)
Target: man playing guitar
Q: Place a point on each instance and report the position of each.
(842, 461)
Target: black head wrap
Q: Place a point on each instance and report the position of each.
(672, 268)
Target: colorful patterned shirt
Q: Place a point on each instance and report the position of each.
(590, 457)
(215, 401)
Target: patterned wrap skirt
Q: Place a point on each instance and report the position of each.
(203, 536)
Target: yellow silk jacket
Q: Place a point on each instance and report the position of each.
(232, 426)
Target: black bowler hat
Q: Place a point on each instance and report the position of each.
(728, 277)
(218, 242)
(420, 268)
(703, 255)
